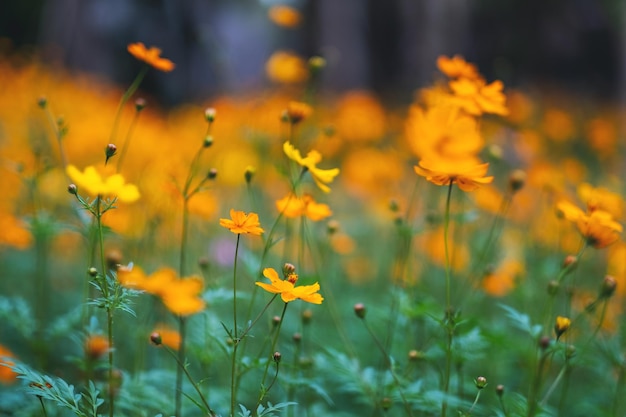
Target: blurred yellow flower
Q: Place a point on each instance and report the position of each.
(597, 227)
(442, 131)
(151, 56)
(320, 176)
(600, 198)
(457, 67)
(561, 325)
(468, 175)
(169, 337)
(477, 97)
(558, 125)
(95, 185)
(242, 223)
(292, 207)
(286, 68)
(298, 111)
(287, 290)
(15, 232)
(180, 295)
(285, 16)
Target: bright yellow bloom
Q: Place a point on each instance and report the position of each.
(292, 207)
(456, 67)
(320, 176)
(285, 16)
(468, 175)
(180, 295)
(96, 185)
(151, 56)
(477, 97)
(561, 325)
(286, 68)
(598, 227)
(242, 223)
(287, 290)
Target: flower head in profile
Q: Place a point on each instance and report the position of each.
(298, 111)
(97, 185)
(180, 295)
(457, 67)
(292, 207)
(598, 227)
(287, 289)
(468, 174)
(320, 176)
(242, 223)
(561, 325)
(151, 56)
(477, 97)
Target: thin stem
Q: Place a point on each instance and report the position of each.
(182, 329)
(127, 94)
(449, 320)
(536, 385)
(475, 402)
(555, 383)
(129, 135)
(233, 368)
(43, 407)
(182, 366)
(621, 379)
(446, 226)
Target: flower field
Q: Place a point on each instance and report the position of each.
(302, 253)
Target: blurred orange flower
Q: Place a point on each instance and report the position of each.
(292, 207)
(600, 198)
(96, 185)
(7, 376)
(96, 346)
(598, 227)
(320, 176)
(15, 232)
(180, 295)
(457, 67)
(169, 337)
(477, 97)
(151, 56)
(285, 16)
(286, 68)
(242, 223)
(287, 290)
(298, 111)
(467, 175)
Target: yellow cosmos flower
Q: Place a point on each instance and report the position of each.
(598, 227)
(180, 295)
(468, 175)
(95, 185)
(151, 56)
(293, 207)
(298, 111)
(320, 176)
(242, 223)
(285, 16)
(457, 67)
(287, 290)
(477, 97)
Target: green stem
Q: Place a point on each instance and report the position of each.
(126, 144)
(182, 328)
(127, 94)
(555, 383)
(43, 407)
(621, 379)
(233, 368)
(475, 402)
(267, 365)
(536, 385)
(449, 320)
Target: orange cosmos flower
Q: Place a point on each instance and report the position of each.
(96, 346)
(457, 67)
(298, 111)
(320, 176)
(151, 56)
(477, 97)
(286, 68)
(169, 337)
(292, 207)
(287, 290)
(97, 185)
(7, 376)
(598, 227)
(468, 175)
(15, 232)
(442, 131)
(180, 295)
(242, 223)
(285, 16)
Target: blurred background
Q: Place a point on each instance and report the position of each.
(388, 46)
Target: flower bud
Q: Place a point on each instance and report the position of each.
(298, 111)
(359, 310)
(113, 258)
(500, 390)
(561, 325)
(480, 382)
(553, 287)
(288, 269)
(544, 342)
(109, 151)
(517, 179)
(249, 173)
(332, 226)
(570, 351)
(42, 102)
(297, 337)
(96, 346)
(609, 284)
(208, 141)
(212, 174)
(415, 355)
(277, 357)
(307, 315)
(316, 64)
(386, 403)
(209, 114)
(72, 189)
(140, 104)
(394, 206)
(155, 338)
(276, 320)
(93, 272)
(570, 261)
